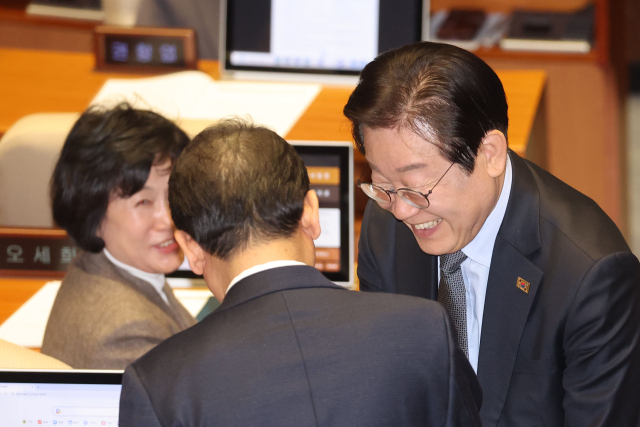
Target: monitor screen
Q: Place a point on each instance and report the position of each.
(60, 397)
(318, 37)
(330, 168)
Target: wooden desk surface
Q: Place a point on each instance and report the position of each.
(15, 292)
(34, 81)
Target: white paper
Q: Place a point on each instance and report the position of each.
(193, 299)
(26, 326)
(195, 95)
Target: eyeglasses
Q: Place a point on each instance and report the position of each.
(411, 197)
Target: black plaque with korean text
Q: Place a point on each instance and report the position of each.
(33, 251)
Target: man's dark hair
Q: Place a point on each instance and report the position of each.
(236, 184)
(444, 94)
(109, 152)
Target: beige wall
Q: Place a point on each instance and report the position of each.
(583, 141)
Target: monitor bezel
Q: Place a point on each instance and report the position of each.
(61, 376)
(343, 278)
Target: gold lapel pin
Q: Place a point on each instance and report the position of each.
(523, 285)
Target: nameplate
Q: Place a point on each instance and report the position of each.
(35, 252)
(144, 49)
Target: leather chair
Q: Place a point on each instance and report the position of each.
(29, 152)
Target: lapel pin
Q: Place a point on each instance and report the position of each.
(523, 285)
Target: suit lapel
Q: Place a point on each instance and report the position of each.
(146, 289)
(99, 264)
(505, 315)
(416, 271)
(506, 304)
(178, 312)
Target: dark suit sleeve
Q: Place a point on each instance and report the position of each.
(368, 273)
(602, 346)
(136, 409)
(465, 394)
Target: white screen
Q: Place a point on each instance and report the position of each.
(59, 404)
(329, 228)
(327, 34)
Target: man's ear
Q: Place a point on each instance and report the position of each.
(493, 152)
(310, 221)
(192, 250)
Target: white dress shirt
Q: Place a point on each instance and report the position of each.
(155, 280)
(261, 267)
(475, 269)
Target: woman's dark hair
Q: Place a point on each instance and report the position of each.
(109, 152)
(236, 184)
(444, 94)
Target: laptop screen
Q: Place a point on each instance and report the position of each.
(330, 168)
(49, 398)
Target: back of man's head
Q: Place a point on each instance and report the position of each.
(237, 184)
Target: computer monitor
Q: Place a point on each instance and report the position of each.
(60, 397)
(314, 40)
(330, 168)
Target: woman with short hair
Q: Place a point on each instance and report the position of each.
(109, 192)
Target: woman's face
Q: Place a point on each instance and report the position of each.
(138, 230)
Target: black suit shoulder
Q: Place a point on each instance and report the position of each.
(383, 307)
(587, 287)
(381, 313)
(576, 216)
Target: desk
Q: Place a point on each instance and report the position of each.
(46, 81)
(15, 292)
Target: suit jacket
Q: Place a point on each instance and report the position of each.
(568, 351)
(289, 348)
(105, 318)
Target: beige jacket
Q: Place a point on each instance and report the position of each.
(105, 318)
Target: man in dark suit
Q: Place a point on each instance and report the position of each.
(287, 347)
(547, 300)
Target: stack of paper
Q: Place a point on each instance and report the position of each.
(195, 95)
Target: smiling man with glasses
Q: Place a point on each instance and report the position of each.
(541, 285)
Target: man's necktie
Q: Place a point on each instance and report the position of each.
(452, 294)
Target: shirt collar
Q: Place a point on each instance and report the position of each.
(261, 267)
(480, 249)
(156, 280)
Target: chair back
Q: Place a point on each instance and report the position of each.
(29, 151)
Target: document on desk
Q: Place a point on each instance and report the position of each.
(26, 326)
(195, 95)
